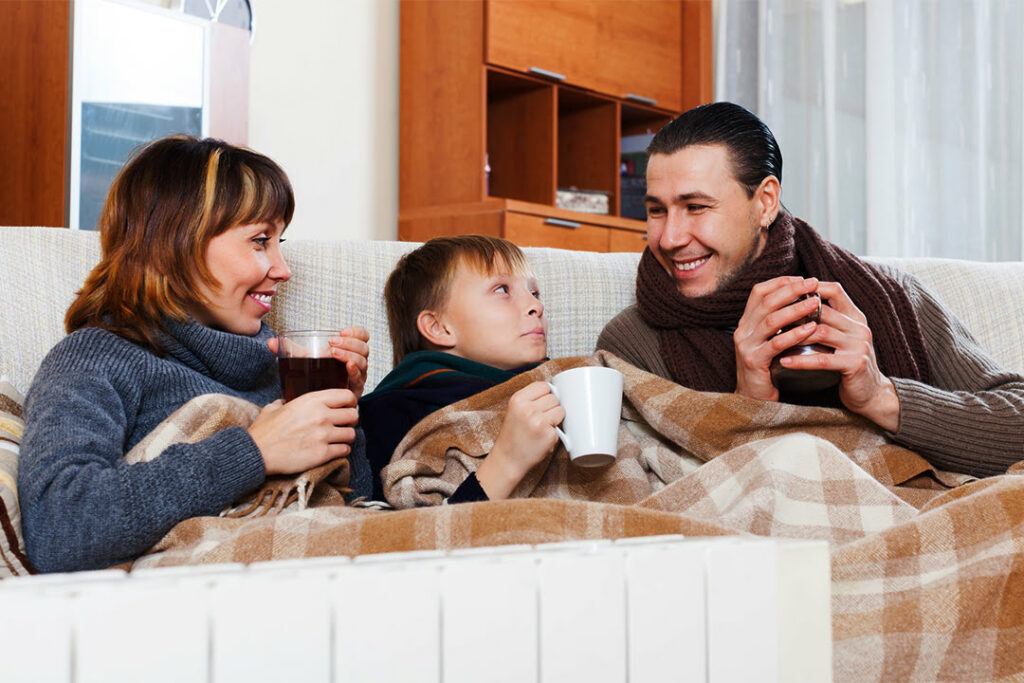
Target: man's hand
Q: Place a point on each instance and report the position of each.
(863, 388)
(769, 308)
(526, 437)
(350, 346)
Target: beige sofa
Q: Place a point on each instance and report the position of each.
(338, 283)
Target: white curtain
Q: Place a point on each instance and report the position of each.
(901, 122)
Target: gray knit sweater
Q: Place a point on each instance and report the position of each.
(95, 396)
(970, 419)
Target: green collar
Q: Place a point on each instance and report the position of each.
(422, 368)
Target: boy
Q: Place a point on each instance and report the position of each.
(464, 315)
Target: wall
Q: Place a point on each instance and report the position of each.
(323, 102)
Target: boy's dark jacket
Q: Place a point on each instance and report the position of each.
(424, 381)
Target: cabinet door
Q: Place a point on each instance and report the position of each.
(536, 231)
(559, 37)
(626, 240)
(641, 50)
(617, 47)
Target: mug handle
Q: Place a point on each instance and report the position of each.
(561, 435)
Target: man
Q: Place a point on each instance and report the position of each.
(725, 269)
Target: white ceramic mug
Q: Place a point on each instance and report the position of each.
(592, 399)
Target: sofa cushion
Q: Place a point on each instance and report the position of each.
(12, 547)
(42, 270)
(986, 297)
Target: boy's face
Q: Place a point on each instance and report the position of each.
(494, 318)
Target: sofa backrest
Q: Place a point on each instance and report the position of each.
(334, 284)
(340, 283)
(987, 297)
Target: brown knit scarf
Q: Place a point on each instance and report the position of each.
(695, 333)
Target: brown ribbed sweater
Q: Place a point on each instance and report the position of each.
(970, 419)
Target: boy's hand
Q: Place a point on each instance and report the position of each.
(526, 437)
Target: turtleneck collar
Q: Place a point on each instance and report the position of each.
(236, 360)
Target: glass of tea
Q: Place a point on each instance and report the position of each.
(305, 363)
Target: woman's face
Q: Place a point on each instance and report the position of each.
(247, 264)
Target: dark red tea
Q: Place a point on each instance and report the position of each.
(302, 375)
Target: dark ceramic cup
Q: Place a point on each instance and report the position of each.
(787, 380)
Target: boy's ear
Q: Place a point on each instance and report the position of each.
(434, 331)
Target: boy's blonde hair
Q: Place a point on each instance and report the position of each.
(421, 281)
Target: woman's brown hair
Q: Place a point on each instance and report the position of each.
(171, 198)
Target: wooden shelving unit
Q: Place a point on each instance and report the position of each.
(34, 44)
(503, 102)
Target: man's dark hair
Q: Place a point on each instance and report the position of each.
(753, 151)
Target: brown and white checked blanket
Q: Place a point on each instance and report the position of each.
(207, 414)
(927, 567)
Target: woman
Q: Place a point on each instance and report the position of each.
(191, 234)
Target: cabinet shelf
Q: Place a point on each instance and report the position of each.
(512, 106)
(520, 138)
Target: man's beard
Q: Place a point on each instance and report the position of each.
(726, 280)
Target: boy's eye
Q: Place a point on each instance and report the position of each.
(536, 293)
(501, 288)
(694, 208)
(261, 240)
(655, 210)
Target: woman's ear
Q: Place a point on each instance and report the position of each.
(767, 197)
(434, 331)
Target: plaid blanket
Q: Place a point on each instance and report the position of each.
(927, 567)
(205, 415)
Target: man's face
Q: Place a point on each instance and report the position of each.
(701, 225)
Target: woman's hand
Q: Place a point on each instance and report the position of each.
(307, 431)
(351, 347)
(526, 437)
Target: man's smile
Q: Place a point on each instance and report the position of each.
(688, 265)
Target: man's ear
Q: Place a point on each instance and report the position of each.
(768, 200)
(434, 331)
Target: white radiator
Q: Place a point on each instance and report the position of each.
(647, 609)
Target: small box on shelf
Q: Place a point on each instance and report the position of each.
(587, 201)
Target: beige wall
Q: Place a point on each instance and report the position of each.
(323, 102)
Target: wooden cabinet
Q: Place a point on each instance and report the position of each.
(558, 38)
(525, 223)
(34, 42)
(625, 48)
(545, 231)
(504, 102)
